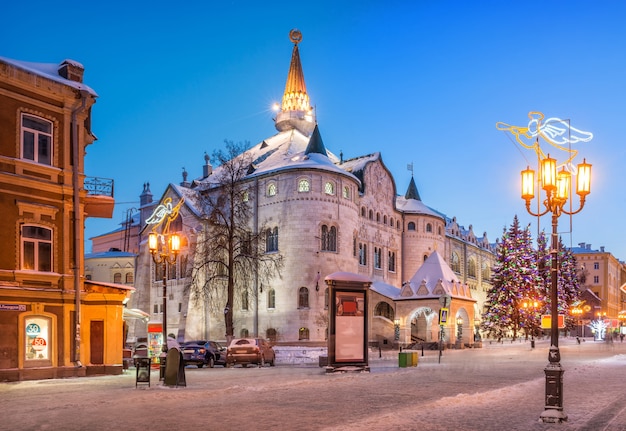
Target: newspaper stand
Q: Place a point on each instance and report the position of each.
(142, 366)
(348, 305)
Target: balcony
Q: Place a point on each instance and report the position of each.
(99, 201)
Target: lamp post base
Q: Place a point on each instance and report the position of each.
(553, 412)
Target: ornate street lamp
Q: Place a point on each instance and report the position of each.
(164, 249)
(556, 187)
(532, 304)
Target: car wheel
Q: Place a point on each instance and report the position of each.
(262, 362)
(200, 365)
(211, 362)
(273, 362)
(244, 365)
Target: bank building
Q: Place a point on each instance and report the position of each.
(321, 214)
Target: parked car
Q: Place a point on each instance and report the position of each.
(247, 351)
(202, 352)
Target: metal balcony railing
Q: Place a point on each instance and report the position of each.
(99, 186)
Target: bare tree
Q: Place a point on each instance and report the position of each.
(230, 256)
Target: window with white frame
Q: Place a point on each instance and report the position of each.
(304, 186)
(271, 189)
(329, 188)
(36, 139)
(596, 265)
(36, 248)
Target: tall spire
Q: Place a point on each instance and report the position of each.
(295, 111)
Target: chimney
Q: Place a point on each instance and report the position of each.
(602, 249)
(72, 70)
(588, 246)
(581, 245)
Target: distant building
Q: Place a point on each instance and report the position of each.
(605, 276)
(54, 322)
(324, 214)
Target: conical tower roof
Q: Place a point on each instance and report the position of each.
(295, 110)
(315, 143)
(411, 192)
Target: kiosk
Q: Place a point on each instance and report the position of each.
(348, 305)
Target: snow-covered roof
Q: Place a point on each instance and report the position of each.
(110, 253)
(414, 206)
(347, 276)
(433, 279)
(50, 71)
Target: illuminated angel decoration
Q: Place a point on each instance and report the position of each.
(554, 131)
(164, 212)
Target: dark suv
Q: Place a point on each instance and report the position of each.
(202, 352)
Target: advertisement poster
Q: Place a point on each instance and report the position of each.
(349, 327)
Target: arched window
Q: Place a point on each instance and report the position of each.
(371, 215)
(363, 211)
(303, 334)
(303, 298)
(36, 248)
(329, 238)
(429, 228)
(244, 333)
(271, 189)
(271, 334)
(410, 226)
(130, 278)
(304, 186)
(391, 221)
(385, 310)
(271, 298)
(439, 230)
(384, 219)
(455, 262)
(471, 268)
(329, 188)
(117, 277)
(378, 217)
(346, 192)
(271, 240)
(246, 196)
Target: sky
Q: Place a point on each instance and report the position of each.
(423, 82)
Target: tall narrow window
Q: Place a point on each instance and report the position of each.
(329, 238)
(271, 298)
(117, 277)
(36, 248)
(429, 228)
(362, 254)
(391, 261)
(36, 139)
(303, 334)
(244, 300)
(303, 298)
(346, 192)
(271, 240)
(455, 262)
(471, 268)
(410, 226)
(271, 189)
(377, 257)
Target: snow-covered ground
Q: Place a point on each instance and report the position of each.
(498, 387)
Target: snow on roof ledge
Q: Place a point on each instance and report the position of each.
(347, 276)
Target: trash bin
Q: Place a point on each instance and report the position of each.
(142, 366)
(403, 359)
(414, 358)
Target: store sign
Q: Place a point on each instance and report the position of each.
(12, 307)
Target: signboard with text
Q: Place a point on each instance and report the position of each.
(546, 321)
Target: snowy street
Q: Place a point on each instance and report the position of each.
(498, 387)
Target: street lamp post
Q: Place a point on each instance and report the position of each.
(577, 312)
(164, 249)
(556, 187)
(534, 305)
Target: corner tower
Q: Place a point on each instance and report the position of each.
(295, 110)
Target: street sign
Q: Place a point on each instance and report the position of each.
(443, 316)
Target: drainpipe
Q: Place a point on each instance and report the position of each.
(77, 222)
(256, 263)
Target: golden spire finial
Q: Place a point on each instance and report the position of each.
(295, 36)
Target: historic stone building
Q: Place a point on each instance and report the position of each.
(323, 214)
(53, 322)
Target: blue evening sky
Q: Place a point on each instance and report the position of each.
(421, 81)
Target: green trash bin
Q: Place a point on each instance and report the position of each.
(403, 359)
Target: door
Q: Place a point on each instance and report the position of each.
(97, 342)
